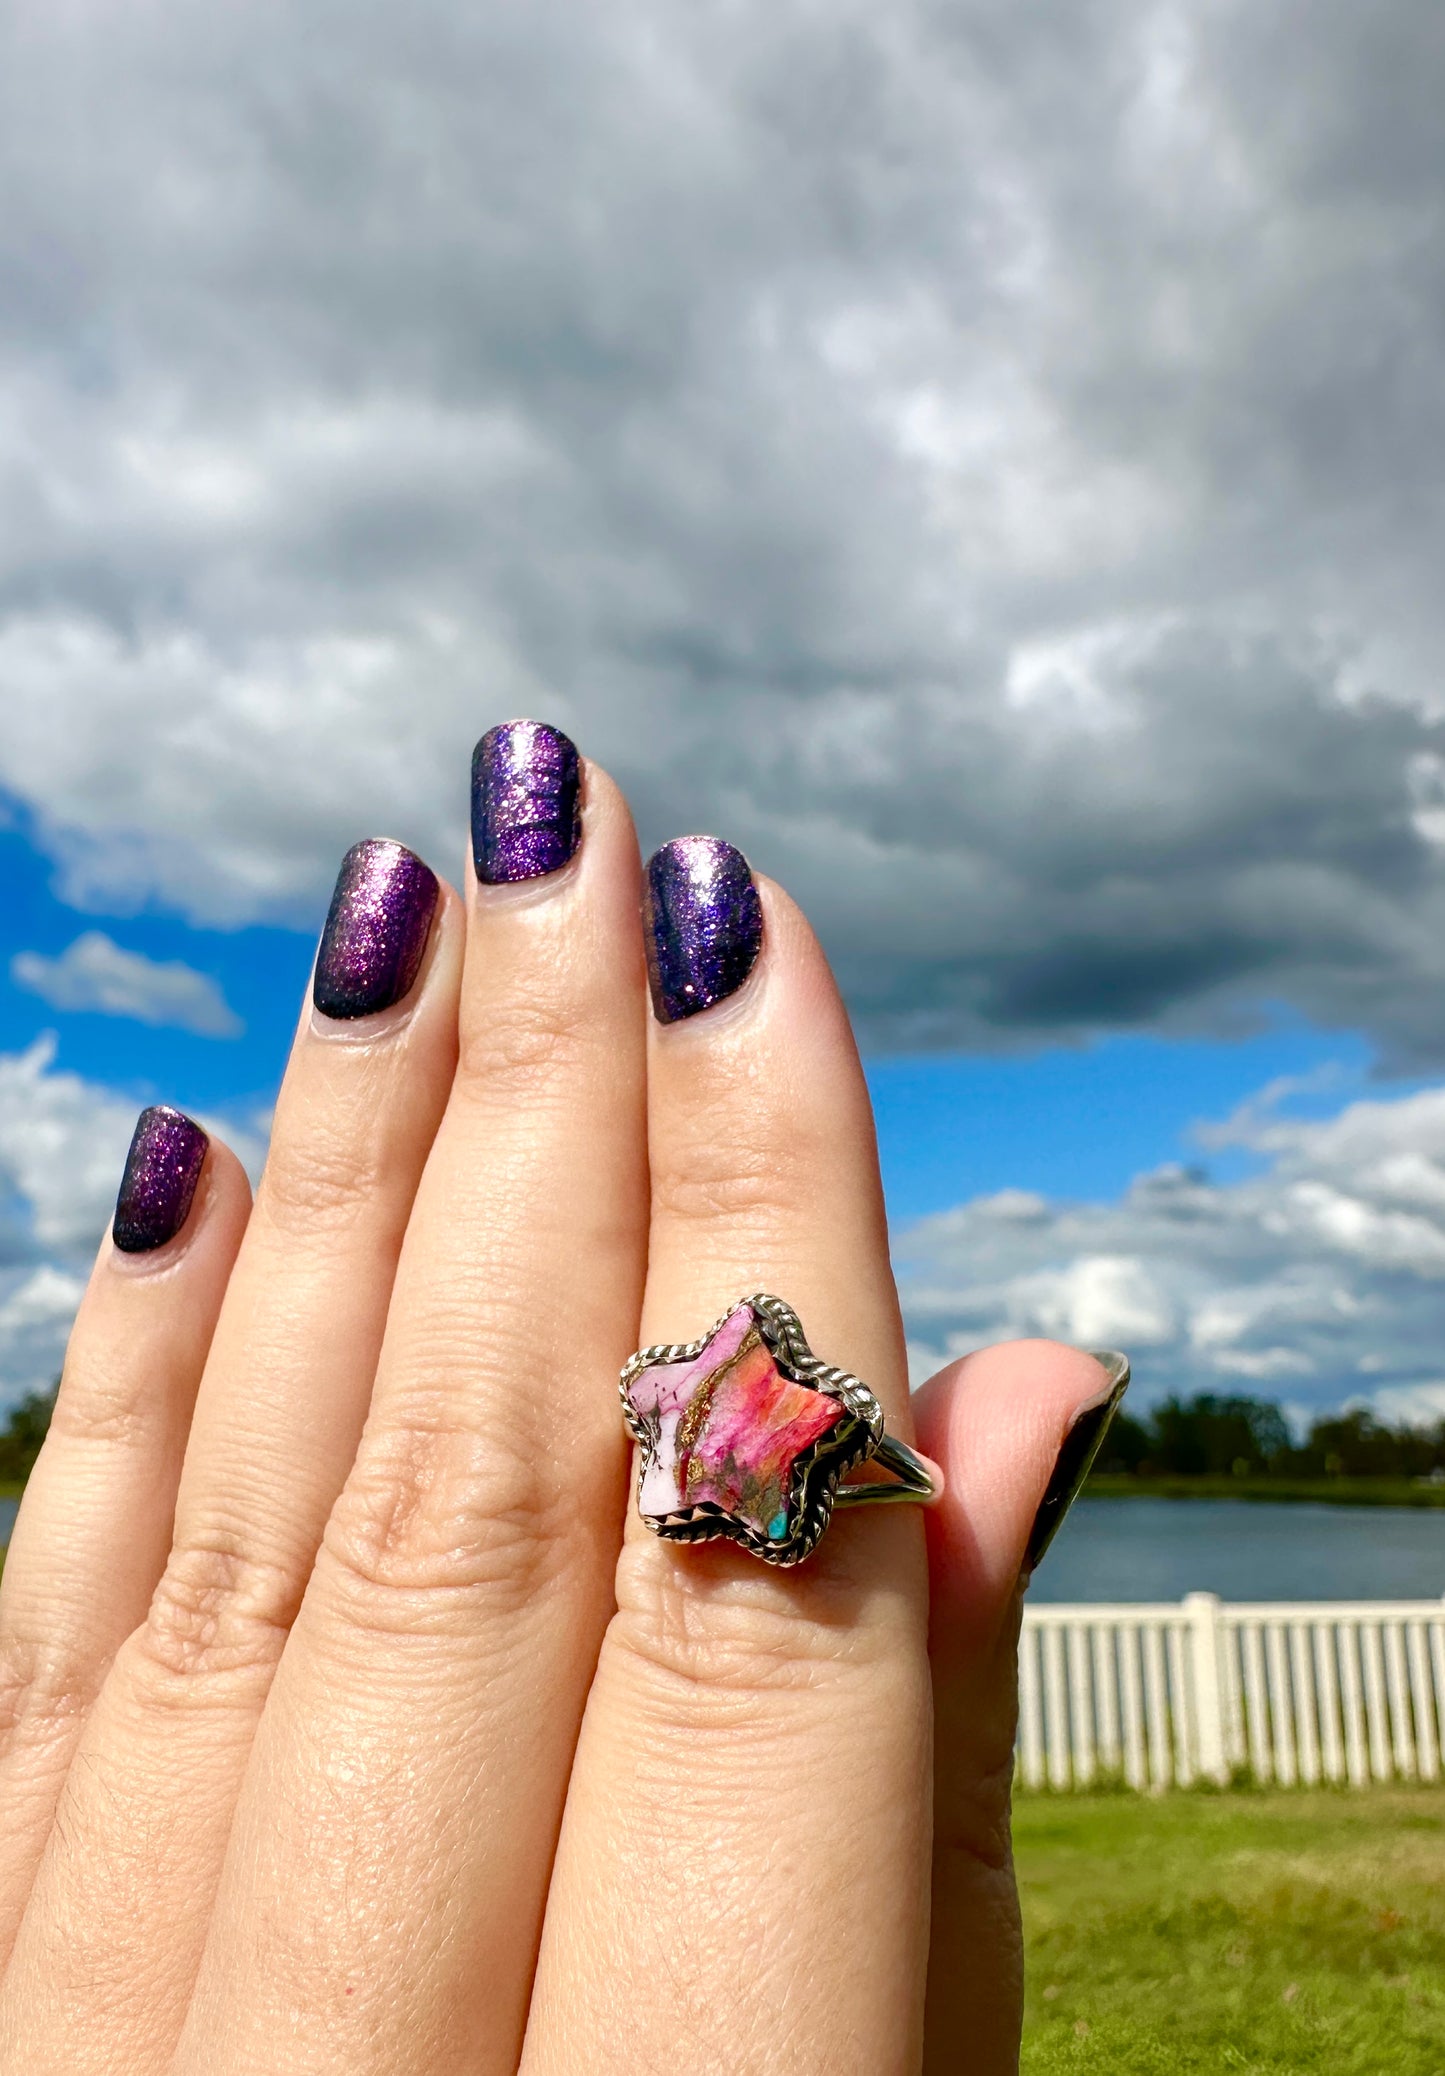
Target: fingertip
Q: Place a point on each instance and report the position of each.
(997, 1422)
(795, 977)
(390, 951)
(163, 1213)
(446, 947)
(1033, 1384)
(604, 800)
(225, 1184)
(522, 848)
(378, 931)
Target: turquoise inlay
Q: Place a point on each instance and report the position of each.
(778, 1527)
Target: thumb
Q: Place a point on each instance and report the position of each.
(1015, 1429)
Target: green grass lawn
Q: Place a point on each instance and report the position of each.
(1244, 1932)
(1247, 1932)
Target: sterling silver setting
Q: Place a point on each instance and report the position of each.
(817, 1472)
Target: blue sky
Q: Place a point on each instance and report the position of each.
(1083, 1121)
(1240, 1211)
(1079, 1120)
(260, 971)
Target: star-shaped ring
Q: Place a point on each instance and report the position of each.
(744, 1433)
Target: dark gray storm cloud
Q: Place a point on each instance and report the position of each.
(987, 461)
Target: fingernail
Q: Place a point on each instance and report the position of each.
(1081, 1446)
(526, 783)
(704, 925)
(376, 929)
(167, 1153)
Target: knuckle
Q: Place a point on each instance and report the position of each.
(43, 1686)
(436, 1517)
(216, 1623)
(721, 1184)
(752, 1159)
(973, 1819)
(976, 1722)
(99, 1403)
(520, 1041)
(702, 1640)
(329, 1182)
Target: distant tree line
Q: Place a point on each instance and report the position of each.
(1250, 1437)
(1179, 1438)
(22, 1434)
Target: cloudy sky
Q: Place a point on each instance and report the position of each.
(987, 461)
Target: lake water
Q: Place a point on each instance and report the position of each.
(1161, 1549)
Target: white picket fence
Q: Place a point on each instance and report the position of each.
(1296, 1691)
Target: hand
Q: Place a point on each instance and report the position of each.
(343, 1727)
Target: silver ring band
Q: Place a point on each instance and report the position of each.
(916, 1478)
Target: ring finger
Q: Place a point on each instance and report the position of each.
(757, 1742)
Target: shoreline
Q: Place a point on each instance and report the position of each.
(1337, 1492)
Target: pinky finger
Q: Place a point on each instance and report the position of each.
(95, 1524)
(1015, 1428)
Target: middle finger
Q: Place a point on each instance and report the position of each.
(382, 1898)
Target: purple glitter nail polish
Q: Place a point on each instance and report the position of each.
(704, 925)
(162, 1169)
(525, 809)
(376, 930)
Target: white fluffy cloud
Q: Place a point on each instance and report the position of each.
(97, 973)
(63, 1144)
(985, 461)
(36, 1311)
(1318, 1279)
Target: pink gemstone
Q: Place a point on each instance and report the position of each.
(727, 1427)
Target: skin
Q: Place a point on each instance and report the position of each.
(350, 1722)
